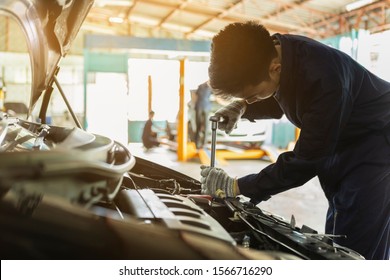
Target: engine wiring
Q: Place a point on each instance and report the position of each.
(243, 218)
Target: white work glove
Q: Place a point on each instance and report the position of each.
(230, 114)
(217, 183)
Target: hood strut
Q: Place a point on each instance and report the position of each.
(46, 100)
(75, 119)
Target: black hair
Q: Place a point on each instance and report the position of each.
(240, 56)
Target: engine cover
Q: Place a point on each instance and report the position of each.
(174, 211)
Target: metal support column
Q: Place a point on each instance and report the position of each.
(182, 131)
(150, 94)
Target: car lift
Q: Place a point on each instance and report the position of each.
(206, 157)
(224, 154)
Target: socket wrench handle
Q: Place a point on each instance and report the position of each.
(214, 124)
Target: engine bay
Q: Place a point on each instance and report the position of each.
(67, 193)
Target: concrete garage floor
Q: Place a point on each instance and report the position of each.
(307, 203)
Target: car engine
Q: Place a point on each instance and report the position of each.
(69, 194)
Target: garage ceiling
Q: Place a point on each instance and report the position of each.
(201, 19)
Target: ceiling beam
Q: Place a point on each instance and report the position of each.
(220, 15)
(374, 17)
(130, 10)
(179, 7)
(285, 7)
(346, 21)
(232, 16)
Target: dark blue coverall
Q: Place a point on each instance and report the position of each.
(343, 112)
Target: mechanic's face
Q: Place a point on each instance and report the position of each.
(259, 92)
(264, 89)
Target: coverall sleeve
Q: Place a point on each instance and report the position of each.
(320, 130)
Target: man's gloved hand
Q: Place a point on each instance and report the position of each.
(217, 183)
(231, 113)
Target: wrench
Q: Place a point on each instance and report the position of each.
(214, 124)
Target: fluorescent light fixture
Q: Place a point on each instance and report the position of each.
(357, 4)
(120, 3)
(116, 20)
(204, 33)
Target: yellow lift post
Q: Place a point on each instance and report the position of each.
(185, 149)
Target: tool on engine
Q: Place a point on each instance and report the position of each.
(214, 124)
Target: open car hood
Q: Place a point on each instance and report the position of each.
(50, 27)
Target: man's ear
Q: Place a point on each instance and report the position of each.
(275, 68)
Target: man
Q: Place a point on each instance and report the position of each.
(149, 137)
(202, 110)
(343, 112)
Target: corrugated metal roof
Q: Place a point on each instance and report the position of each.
(201, 19)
